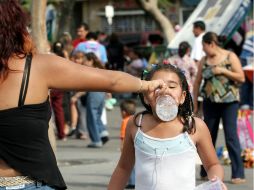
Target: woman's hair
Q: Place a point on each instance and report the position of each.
(96, 62)
(210, 37)
(14, 37)
(185, 110)
(58, 48)
(183, 48)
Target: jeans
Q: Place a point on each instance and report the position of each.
(95, 104)
(246, 90)
(213, 112)
(81, 127)
(36, 186)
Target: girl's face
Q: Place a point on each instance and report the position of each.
(79, 59)
(87, 62)
(174, 88)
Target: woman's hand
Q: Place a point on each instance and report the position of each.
(151, 86)
(217, 70)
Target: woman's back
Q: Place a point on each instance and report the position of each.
(37, 91)
(24, 141)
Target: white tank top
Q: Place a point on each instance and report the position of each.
(164, 164)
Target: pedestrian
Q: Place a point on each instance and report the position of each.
(183, 61)
(77, 107)
(115, 53)
(82, 31)
(222, 73)
(92, 45)
(165, 151)
(56, 98)
(128, 109)
(26, 157)
(197, 52)
(95, 102)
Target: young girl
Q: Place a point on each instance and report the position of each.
(95, 102)
(78, 123)
(164, 152)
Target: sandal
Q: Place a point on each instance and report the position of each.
(238, 180)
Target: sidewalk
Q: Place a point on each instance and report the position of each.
(90, 169)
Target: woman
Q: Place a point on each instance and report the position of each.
(26, 157)
(57, 96)
(185, 63)
(222, 72)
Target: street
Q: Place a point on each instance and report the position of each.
(90, 169)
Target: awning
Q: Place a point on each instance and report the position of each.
(220, 16)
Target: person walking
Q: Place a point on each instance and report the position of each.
(26, 157)
(95, 102)
(197, 52)
(222, 73)
(183, 61)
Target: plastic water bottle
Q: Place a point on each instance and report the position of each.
(210, 185)
(166, 108)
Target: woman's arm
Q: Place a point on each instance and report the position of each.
(196, 85)
(207, 152)
(60, 73)
(236, 74)
(123, 169)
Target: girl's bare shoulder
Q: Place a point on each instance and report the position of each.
(201, 129)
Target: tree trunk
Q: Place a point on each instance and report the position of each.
(39, 36)
(39, 33)
(65, 18)
(151, 6)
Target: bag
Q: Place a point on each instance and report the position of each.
(244, 129)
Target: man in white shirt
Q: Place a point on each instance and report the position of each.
(198, 30)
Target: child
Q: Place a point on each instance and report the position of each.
(128, 108)
(95, 102)
(164, 152)
(78, 126)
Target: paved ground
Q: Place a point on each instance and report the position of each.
(90, 169)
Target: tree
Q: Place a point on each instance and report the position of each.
(39, 33)
(151, 6)
(65, 18)
(39, 36)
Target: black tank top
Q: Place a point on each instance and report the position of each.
(24, 143)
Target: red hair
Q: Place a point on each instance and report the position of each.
(14, 37)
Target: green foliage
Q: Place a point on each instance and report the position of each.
(26, 4)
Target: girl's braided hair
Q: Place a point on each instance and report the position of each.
(185, 110)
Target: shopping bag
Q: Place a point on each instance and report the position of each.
(245, 129)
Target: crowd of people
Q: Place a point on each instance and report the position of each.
(81, 74)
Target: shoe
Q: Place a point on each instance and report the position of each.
(104, 139)
(72, 132)
(130, 186)
(94, 145)
(238, 180)
(81, 136)
(63, 139)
